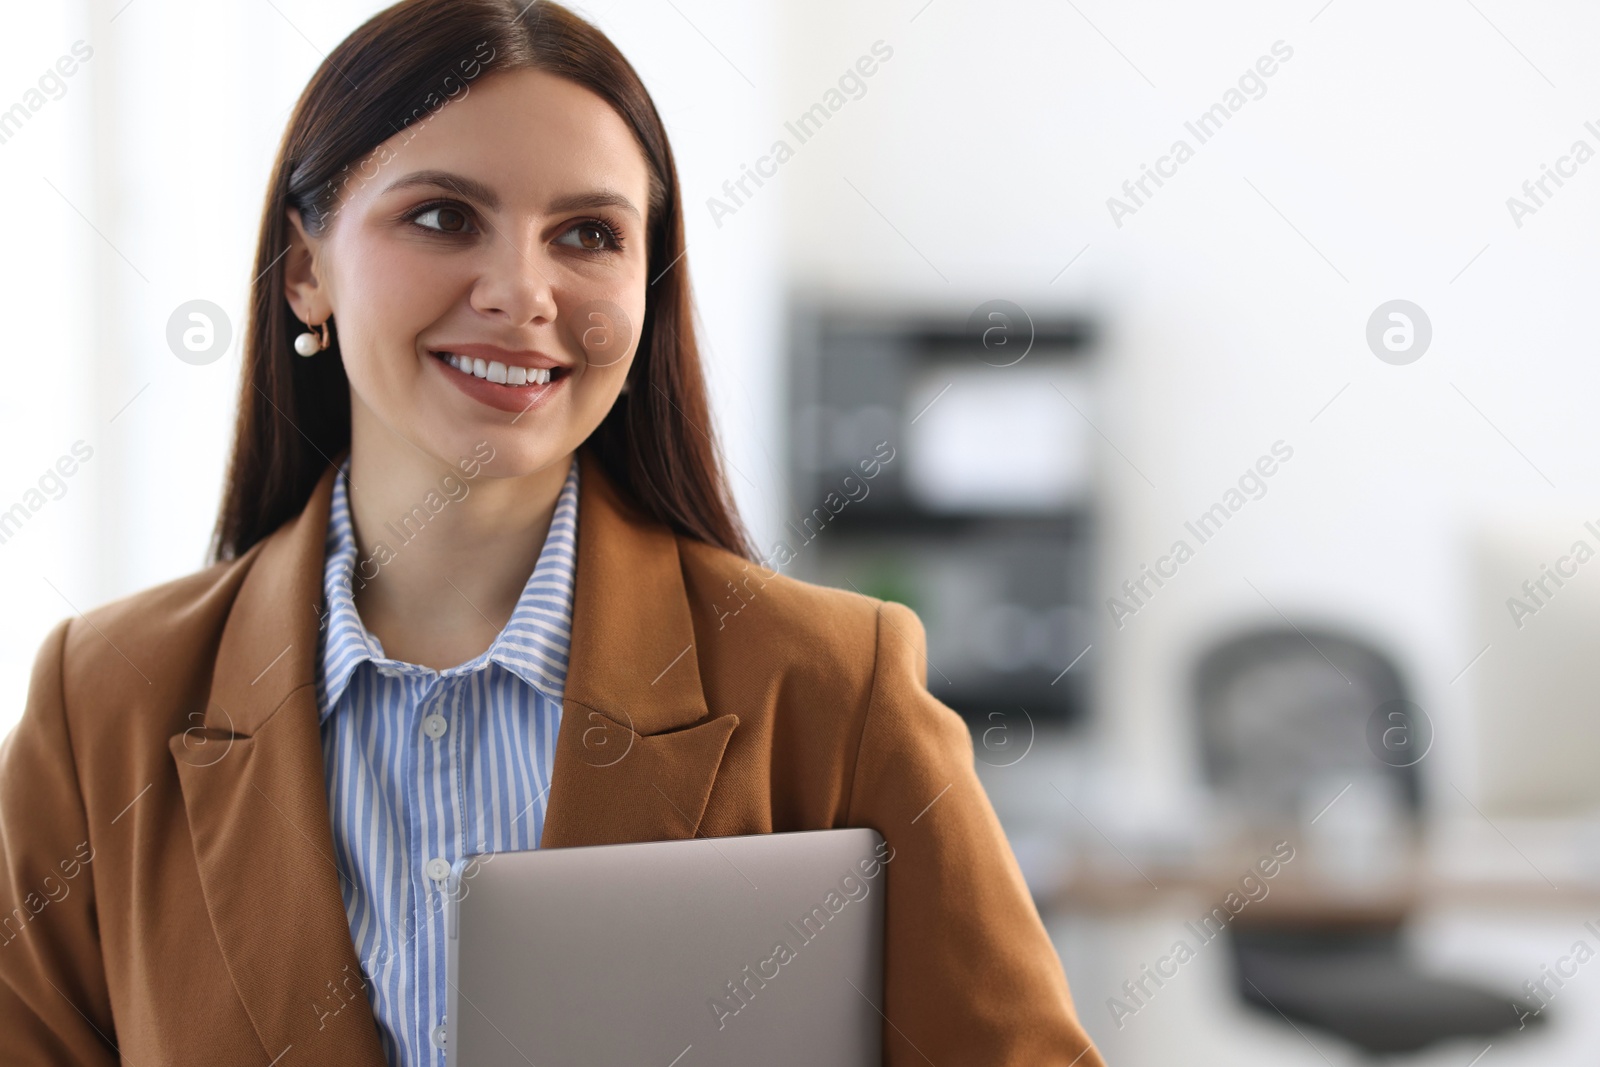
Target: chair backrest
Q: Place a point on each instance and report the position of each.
(1280, 706)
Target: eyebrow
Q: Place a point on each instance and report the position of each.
(476, 190)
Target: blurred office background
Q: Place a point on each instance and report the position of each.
(1334, 671)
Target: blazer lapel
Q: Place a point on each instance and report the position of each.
(253, 788)
(638, 749)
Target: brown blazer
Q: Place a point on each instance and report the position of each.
(167, 882)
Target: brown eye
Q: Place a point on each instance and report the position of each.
(443, 219)
(592, 235)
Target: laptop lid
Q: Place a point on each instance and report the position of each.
(730, 950)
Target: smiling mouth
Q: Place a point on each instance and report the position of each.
(499, 373)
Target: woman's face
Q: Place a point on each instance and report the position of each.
(504, 236)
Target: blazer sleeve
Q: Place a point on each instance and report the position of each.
(54, 1004)
(970, 975)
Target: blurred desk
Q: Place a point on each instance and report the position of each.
(1300, 892)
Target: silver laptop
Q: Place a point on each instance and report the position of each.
(728, 950)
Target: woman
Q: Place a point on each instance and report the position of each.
(470, 595)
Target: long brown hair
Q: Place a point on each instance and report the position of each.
(400, 67)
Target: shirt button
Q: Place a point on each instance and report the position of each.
(438, 869)
(389, 672)
(438, 1036)
(435, 726)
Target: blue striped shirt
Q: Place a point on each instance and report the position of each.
(424, 767)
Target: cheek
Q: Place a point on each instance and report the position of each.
(604, 317)
(386, 297)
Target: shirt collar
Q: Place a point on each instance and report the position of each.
(534, 645)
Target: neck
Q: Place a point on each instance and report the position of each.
(442, 553)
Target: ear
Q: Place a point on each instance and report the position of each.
(302, 282)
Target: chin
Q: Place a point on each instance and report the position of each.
(511, 452)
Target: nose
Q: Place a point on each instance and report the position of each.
(515, 284)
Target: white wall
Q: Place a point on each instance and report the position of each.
(45, 278)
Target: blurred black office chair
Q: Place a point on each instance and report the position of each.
(1279, 707)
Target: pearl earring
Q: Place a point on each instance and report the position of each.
(308, 343)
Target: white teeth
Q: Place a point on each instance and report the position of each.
(497, 372)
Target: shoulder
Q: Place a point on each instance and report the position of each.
(183, 615)
(110, 686)
(828, 684)
(792, 628)
(144, 657)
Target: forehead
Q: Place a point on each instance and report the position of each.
(530, 135)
